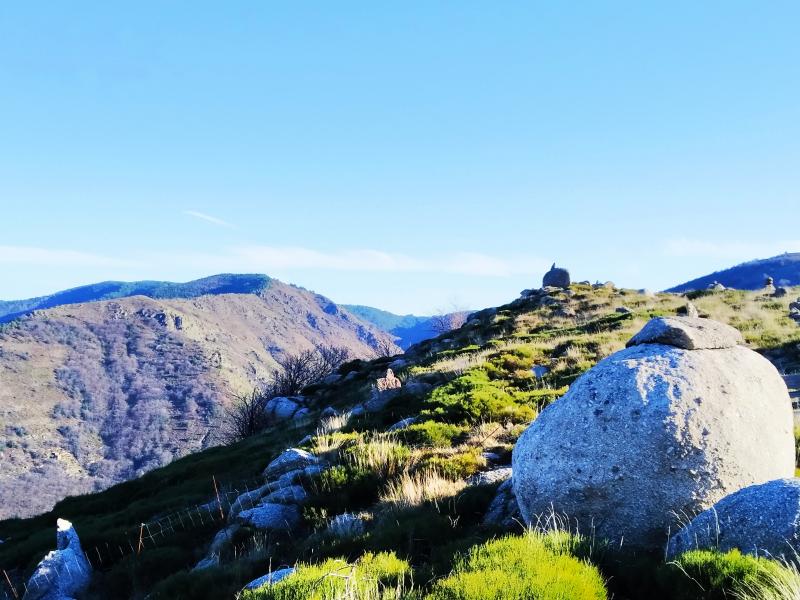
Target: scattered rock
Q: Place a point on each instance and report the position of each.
(781, 292)
(221, 539)
(418, 388)
(490, 477)
(687, 333)
(716, 286)
(539, 371)
(402, 424)
(271, 517)
(761, 520)
(556, 277)
(657, 430)
(390, 382)
(301, 414)
(329, 412)
(289, 460)
(623, 310)
(690, 310)
(64, 572)
(247, 500)
(346, 525)
(504, 511)
(269, 578)
(282, 408)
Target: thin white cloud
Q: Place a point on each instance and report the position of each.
(272, 258)
(54, 257)
(688, 248)
(284, 259)
(209, 219)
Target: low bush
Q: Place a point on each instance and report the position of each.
(473, 398)
(433, 434)
(372, 577)
(534, 565)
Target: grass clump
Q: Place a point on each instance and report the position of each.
(411, 490)
(533, 565)
(433, 434)
(372, 577)
(459, 465)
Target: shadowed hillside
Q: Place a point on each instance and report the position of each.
(96, 393)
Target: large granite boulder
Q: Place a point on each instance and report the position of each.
(667, 427)
(64, 572)
(761, 519)
(556, 277)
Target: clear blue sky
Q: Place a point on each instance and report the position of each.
(405, 155)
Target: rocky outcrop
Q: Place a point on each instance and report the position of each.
(283, 408)
(63, 573)
(491, 477)
(389, 382)
(669, 426)
(556, 277)
(760, 519)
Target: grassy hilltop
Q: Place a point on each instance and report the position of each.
(472, 392)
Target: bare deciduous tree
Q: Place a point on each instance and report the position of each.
(448, 321)
(246, 416)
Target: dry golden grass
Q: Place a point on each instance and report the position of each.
(411, 490)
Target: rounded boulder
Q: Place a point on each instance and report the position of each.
(657, 432)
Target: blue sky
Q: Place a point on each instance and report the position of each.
(411, 156)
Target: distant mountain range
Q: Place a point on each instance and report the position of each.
(408, 329)
(110, 290)
(101, 383)
(784, 269)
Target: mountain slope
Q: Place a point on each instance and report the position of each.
(409, 329)
(472, 393)
(784, 269)
(95, 393)
(110, 290)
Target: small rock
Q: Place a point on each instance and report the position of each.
(269, 578)
(289, 460)
(329, 412)
(490, 477)
(690, 310)
(282, 408)
(687, 333)
(781, 292)
(716, 286)
(389, 382)
(539, 371)
(402, 424)
(418, 388)
(623, 310)
(288, 478)
(271, 517)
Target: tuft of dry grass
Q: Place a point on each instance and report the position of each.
(410, 490)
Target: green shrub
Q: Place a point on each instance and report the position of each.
(456, 466)
(372, 577)
(433, 434)
(534, 565)
(473, 398)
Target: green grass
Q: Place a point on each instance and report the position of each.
(372, 577)
(534, 565)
